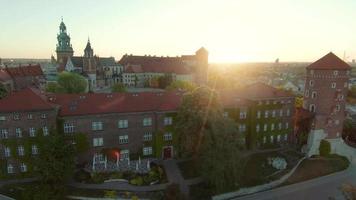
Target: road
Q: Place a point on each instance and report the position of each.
(320, 188)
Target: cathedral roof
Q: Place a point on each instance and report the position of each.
(328, 62)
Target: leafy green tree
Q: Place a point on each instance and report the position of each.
(118, 87)
(3, 91)
(54, 88)
(210, 139)
(72, 82)
(181, 85)
(164, 81)
(324, 148)
(81, 143)
(352, 91)
(55, 162)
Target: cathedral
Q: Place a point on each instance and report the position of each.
(99, 71)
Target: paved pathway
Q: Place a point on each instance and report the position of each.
(174, 176)
(320, 188)
(3, 197)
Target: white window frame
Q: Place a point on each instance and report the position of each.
(147, 136)
(45, 131)
(7, 152)
(313, 96)
(23, 167)
(288, 112)
(123, 123)
(168, 121)
(124, 154)
(265, 127)
(32, 131)
(333, 85)
(123, 139)
(10, 169)
(257, 128)
(266, 113)
(18, 132)
(147, 121)
(34, 149)
(97, 126)
(168, 136)
(20, 150)
(272, 127)
(287, 125)
(311, 83)
(258, 114)
(4, 133)
(2, 118)
(68, 127)
(98, 142)
(146, 151)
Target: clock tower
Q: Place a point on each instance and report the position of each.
(64, 47)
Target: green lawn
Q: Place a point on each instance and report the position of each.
(257, 171)
(189, 169)
(318, 166)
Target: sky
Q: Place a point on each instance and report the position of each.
(231, 30)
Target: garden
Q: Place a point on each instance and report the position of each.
(156, 175)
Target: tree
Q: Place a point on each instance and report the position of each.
(3, 91)
(55, 163)
(349, 130)
(181, 85)
(54, 88)
(352, 91)
(164, 81)
(210, 139)
(324, 148)
(72, 82)
(118, 87)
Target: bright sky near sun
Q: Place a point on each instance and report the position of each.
(232, 30)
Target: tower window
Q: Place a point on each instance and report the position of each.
(313, 95)
(311, 83)
(306, 93)
(333, 85)
(312, 108)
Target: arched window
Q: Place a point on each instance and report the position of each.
(313, 95)
(312, 108)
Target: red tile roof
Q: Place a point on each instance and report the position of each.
(98, 103)
(28, 70)
(328, 62)
(28, 99)
(261, 90)
(4, 76)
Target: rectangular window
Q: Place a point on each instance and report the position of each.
(281, 112)
(20, 151)
(242, 128)
(29, 116)
(287, 125)
(147, 151)
(98, 142)
(266, 114)
(45, 130)
(34, 150)
(123, 139)
(32, 132)
(2, 118)
(285, 137)
(167, 121)
(147, 136)
(16, 116)
(243, 114)
(278, 138)
(257, 128)
(23, 167)
(43, 116)
(97, 126)
(7, 152)
(4, 134)
(272, 127)
(123, 123)
(337, 108)
(18, 132)
(273, 113)
(265, 127)
(258, 114)
(10, 169)
(288, 112)
(264, 140)
(68, 127)
(147, 121)
(124, 154)
(167, 136)
(280, 126)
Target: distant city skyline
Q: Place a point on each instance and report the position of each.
(232, 31)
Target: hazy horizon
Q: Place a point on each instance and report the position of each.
(232, 31)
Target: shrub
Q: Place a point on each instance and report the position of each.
(116, 175)
(137, 181)
(82, 176)
(134, 197)
(324, 148)
(97, 178)
(110, 194)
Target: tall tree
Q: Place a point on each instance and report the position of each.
(72, 82)
(210, 139)
(181, 85)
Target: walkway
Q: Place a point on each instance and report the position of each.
(320, 188)
(175, 176)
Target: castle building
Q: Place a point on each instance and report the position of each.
(325, 95)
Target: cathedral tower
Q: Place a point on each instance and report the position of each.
(201, 70)
(64, 48)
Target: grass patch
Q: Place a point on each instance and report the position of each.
(318, 166)
(189, 169)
